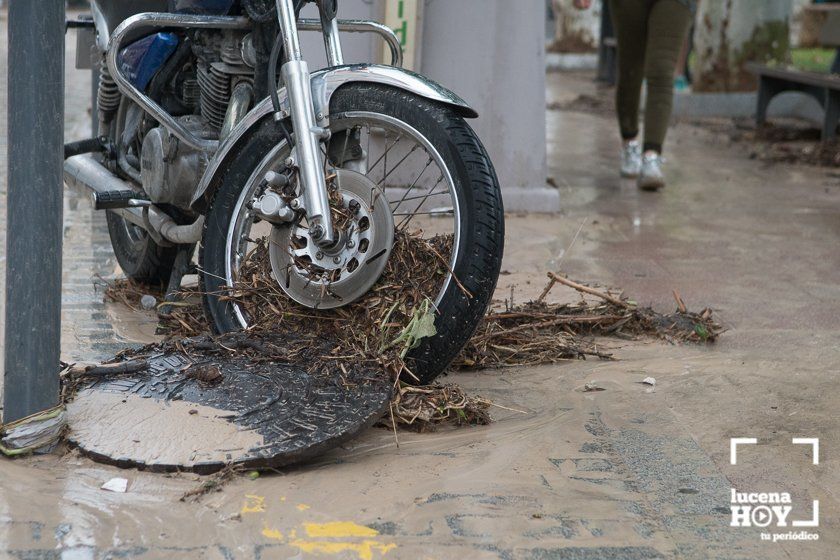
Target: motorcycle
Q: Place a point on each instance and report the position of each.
(213, 131)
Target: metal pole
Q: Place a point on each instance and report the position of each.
(34, 206)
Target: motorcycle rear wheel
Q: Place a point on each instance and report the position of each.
(473, 189)
(140, 258)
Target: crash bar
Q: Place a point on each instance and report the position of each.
(362, 26)
(152, 19)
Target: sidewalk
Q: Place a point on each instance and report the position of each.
(623, 473)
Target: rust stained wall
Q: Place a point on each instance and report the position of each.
(732, 33)
(575, 31)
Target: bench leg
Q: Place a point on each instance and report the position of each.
(766, 91)
(832, 115)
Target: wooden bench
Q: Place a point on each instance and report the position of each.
(825, 88)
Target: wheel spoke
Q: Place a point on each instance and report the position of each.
(387, 149)
(447, 210)
(419, 196)
(414, 149)
(414, 184)
(347, 134)
(409, 216)
(367, 155)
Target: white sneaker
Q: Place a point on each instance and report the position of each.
(650, 176)
(631, 159)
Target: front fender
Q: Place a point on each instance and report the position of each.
(324, 84)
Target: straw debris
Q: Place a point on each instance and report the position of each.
(422, 409)
(380, 329)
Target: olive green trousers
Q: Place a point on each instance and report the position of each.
(650, 35)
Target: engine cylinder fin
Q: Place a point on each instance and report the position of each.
(215, 93)
(191, 92)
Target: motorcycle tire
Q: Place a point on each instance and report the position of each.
(140, 258)
(478, 193)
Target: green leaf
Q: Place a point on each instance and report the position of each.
(421, 325)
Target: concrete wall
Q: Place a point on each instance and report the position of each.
(493, 55)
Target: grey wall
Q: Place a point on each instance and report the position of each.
(491, 53)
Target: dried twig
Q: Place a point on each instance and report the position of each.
(213, 483)
(130, 366)
(680, 302)
(588, 290)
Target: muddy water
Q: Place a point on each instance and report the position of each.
(473, 485)
(142, 429)
(616, 471)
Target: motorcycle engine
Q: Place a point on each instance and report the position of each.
(170, 168)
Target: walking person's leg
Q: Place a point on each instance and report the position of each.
(667, 26)
(630, 19)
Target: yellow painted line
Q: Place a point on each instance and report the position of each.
(253, 504)
(338, 529)
(337, 538)
(272, 534)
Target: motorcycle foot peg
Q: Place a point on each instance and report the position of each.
(112, 200)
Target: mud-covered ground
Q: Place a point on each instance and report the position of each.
(629, 472)
(780, 140)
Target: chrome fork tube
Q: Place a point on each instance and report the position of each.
(307, 133)
(332, 41)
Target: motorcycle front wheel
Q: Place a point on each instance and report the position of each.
(440, 190)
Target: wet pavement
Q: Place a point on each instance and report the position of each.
(625, 473)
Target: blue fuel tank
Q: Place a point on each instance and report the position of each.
(141, 60)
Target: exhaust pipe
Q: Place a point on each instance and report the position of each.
(169, 230)
(87, 176)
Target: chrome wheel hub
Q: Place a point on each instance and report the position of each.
(325, 278)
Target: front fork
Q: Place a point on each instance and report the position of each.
(308, 134)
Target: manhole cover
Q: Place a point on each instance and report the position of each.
(186, 410)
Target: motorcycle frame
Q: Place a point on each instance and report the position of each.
(304, 99)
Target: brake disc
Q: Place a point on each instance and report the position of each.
(325, 278)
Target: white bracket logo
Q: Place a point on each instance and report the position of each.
(815, 445)
(733, 447)
(761, 509)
